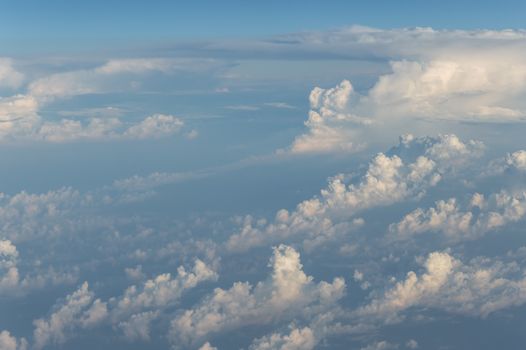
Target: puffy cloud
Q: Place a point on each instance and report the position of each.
(137, 327)
(8, 342)
(388, 180)
(480, 217)
(411, 344)
(9, 76)
(67, 130)
(9, 276)
(438, 76)
(479, 288)
(286, 294)
(11, 281)
(79, 310)
(297, 339)
(25, 215)
(154, 126)
(163, 290)
(21, 120)
(514, 162)
(207, 346)
(328, 112)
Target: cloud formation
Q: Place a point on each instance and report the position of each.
(415, 165)
(287, 293)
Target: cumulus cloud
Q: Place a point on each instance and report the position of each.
(79, 310)
(512, 163)
(20, 118)
(12, 283)
(9, 76)
(437, 76)
(26, 215)
(67, 130)
(478, 217)
(163, 290)
(477, 288)
(327, 116)
(286, 294)
(388, 179)
(137, 327)
(207, 346)
(8, 342)
(297, 339)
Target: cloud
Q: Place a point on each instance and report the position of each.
(478, 288)
(381, 345)
(388, 179)
(435, 76)
(282, 105)
(71, 130)
(20, 118)
(481, 216)
(207, 346)
(154, 126)
(9, 76)
(8, 342)
(110, 76)
(162, 291)
(297, 339)
(243, 108)
(286, 294)
(512, 163)
(13, 284)
(137, 327)
(79, 310)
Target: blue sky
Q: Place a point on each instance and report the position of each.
(55, 25)
(262, 175)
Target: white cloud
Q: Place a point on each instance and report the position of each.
(154, 126)
(498, 210)
(20, 119)
(207, 346)
(328, 113)
(9, 76)
(436, 76)
(478, 289)
(163, 290)
(79, 310)
(282, 105)
(514, 162)
(387, 180)
(8, 342)
(411, 344)
(286, 294)
(297, 339)
(137, 327)
(11, 281)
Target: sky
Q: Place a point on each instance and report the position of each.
(262, 175)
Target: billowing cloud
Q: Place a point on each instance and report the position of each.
(9, 76)
(437, 76)
(481, 216)
(388, 179)
(20, 117)
(477, 288)
(9, 342)
(79, 310)
(297, 339)
(163, 290)
(287, 293)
